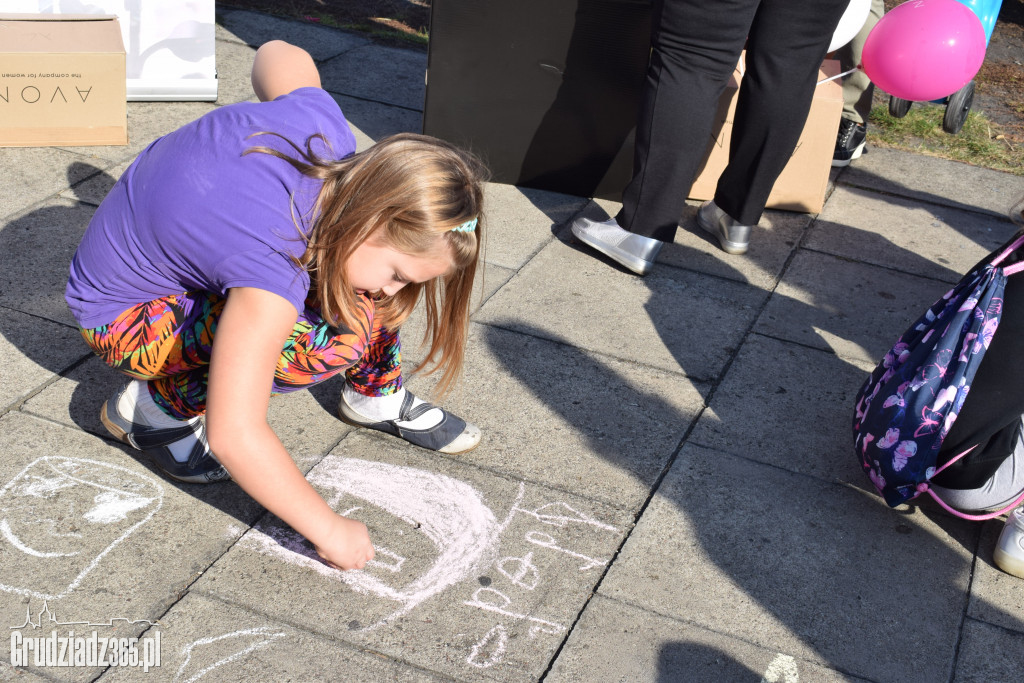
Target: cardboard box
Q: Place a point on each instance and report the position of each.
(62, 81)
(802, 184)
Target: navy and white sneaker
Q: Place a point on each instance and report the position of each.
(200, 468)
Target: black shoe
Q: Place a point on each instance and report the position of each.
(201, 468)
(849, 142)
(452, 435)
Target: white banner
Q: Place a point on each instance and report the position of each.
(169, 43)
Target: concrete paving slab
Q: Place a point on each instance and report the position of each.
(934, 241)
(788, 406)
(95, 535)
(996, 597)
(35, 174)
(95, 188)
(201, 638)
(27, 363)
(234, 66)
(614, 641)
(473, 571)
(663, 319)
(10, 673)
(36, 248)
(148, 121)
(771, 243)
(932, 180)
(852, 309)
(714, 548)
(520, 221)
(305, 421)
(988, 654)
(256, 28)
(571, 419)
(489, 278)
(587, 433)
(371, 121)
(389, 75)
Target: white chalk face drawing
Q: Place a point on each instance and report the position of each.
(59, 517)
(433, 534)
(449, 535)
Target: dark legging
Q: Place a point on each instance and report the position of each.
(695, 48)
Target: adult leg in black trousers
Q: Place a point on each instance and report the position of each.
(787, 42)
(695, 48)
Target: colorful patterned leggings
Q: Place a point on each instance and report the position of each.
(168, 342)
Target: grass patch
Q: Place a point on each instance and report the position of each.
(980, 142)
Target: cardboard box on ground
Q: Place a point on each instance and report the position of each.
(62, 81)
(802, 184)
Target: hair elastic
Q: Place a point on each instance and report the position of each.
(468, 226)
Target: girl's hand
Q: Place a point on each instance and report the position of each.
(347, 544)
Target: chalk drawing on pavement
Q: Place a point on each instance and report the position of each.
(62, 516)
(449, 512)
(246, 640)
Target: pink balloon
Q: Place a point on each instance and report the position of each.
(925, 50)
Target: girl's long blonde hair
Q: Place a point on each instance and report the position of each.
(415, 189)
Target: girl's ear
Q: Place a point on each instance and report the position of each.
(280, 68)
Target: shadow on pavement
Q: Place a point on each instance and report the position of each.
(844, 553)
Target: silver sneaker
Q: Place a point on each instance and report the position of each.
(733, 237)
(635, 252)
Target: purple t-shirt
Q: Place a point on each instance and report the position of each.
(193, 213)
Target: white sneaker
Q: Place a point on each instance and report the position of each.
(1009, 552)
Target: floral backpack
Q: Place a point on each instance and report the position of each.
(909, 403)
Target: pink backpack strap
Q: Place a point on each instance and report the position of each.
(923, 487)
(1015, 268)
(975, 518)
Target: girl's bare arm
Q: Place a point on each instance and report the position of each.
(280, 68)
(250, 335)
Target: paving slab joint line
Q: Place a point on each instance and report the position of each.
(882, 266)
(372, 101)
(484, 297)
(832, 352)
(348, 645)
(960, 206)
(611, 562)
(504, 475)
(62, 323)
(1004, 629)
(732, 636)
(627, 361)
(16, 406)
(225, 11)
(963, 611)
(779, 468)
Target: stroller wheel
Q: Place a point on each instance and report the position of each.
(957, 109)
(898, 107)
